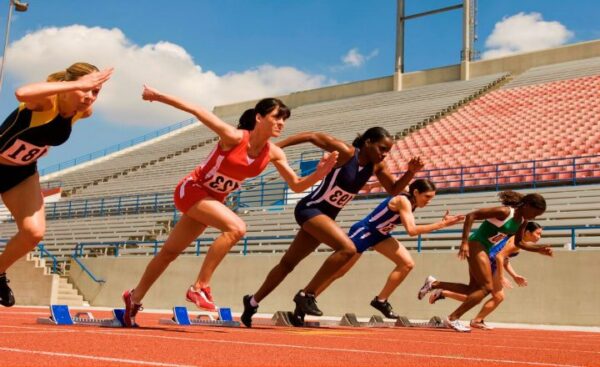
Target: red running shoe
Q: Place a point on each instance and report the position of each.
(201, 298)
(131, 309)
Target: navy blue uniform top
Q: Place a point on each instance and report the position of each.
(382, 219)
(338, 188)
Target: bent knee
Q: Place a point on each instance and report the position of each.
(237, 231)
(33, 234)
(498, 297)
(347, 252)
(487, 288)
(407, 266)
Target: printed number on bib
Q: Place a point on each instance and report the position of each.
(338, 197)
(221, 183)
(497, 238)
(387, 228)
(23, 153)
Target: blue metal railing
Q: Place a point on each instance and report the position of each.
(572, 170)
(573, 233)
(268, 190)
(115, 148)
(156, 245)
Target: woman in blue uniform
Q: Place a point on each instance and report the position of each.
(44, 117)
(374, 231)
(316, 212)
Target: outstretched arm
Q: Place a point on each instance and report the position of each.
(38, 96)
(299, 184)
(321, 140)
(541, 249)
(229, 135)
(389, 182)
(402, 205)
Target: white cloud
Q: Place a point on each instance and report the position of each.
(354, 59)
(524, 32)
(163, 65)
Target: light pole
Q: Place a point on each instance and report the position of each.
(18, 6)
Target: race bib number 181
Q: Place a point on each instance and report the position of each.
(23, 153)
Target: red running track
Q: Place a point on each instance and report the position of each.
(23, 342)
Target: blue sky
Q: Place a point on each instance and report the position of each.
(215, 52)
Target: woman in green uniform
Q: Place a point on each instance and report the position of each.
(499, 222)
(44, 117)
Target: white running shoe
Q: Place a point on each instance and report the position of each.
(426, 288)
(456, 325)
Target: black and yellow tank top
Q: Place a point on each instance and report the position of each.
(26, 135)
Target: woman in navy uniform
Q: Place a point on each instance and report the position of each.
(316, 212)
(44, 117)
(375, 231)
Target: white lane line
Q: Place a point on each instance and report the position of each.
(96, 358)
(347, 350)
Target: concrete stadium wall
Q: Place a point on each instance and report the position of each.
(514, 64)
(562, 291)
(31, 284)
(519, 63)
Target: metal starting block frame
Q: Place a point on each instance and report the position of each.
(434, 323)
(285, 318)
(61, 315)
(182, 317)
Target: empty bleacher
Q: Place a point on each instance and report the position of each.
(495, 138)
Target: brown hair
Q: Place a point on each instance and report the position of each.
(73, 72)
(515, 199)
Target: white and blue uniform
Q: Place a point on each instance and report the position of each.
(495, 250)
(376, 226)
(336, 190)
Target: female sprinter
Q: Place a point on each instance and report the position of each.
(374, 231)
(316, 213)
(499, 260)
(44, 118)
(499, 222)
(241, 153)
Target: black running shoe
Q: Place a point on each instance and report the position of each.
(307, 304)
(385, 308)
(249, 310)
(297, 317)
(7, 298)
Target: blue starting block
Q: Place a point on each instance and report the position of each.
(182, 317)
(61, 315)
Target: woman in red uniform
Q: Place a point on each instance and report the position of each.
(44, 118)
(241, 153)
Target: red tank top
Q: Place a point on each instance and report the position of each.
(224, 171)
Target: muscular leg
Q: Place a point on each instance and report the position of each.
(326, 231)
(340, 273)
(26, 204)
(394, 251)
(207, 212)
(479, 267)
(186, 230)
(302, 245)
(494, 302)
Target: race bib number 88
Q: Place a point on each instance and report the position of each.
(338, 197)
(23, 153)
(221, 183)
